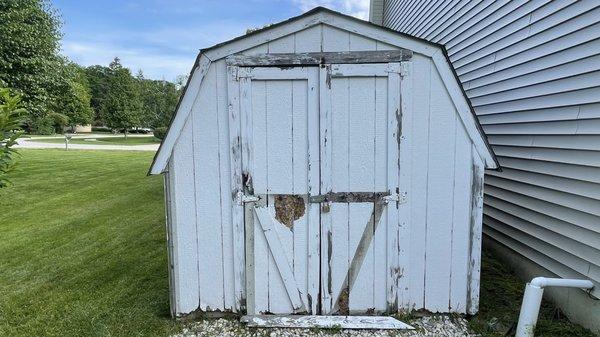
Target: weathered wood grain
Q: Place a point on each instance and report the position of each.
(274, 59)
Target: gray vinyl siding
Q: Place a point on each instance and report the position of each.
(376, 12)
(532, 72)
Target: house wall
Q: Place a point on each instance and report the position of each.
(439, 248)
(531, 70)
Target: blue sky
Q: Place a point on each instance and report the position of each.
(162, 37)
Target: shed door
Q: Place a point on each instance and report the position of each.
(280, 164)
(359, 110)
(319, 159)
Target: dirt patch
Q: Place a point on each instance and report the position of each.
(289, 208)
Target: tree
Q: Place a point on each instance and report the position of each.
(29, 45)
(97, 77)
(11, 115)
(74, 96)
(121, 109)
(159, 99)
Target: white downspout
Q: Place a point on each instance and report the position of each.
(532, 299)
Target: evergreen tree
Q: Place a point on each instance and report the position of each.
(97, 77)
(121, 109)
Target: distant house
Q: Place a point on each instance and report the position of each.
(324, 165)
(532, 72)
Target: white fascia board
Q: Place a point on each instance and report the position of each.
(464, 110)
(181, 114)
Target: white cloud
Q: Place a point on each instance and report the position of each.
(154, 65)
(356, 8)
(161, 53)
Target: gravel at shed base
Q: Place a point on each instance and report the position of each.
(428, 326)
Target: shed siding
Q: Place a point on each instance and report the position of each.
(531, 71)
(437, 255)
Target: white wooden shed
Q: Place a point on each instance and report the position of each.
(324, 165)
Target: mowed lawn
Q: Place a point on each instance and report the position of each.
(83, 253)
(105, 140)
(83, 246)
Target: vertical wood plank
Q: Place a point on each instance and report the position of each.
(308, 40)
(361, 298)
(260, 185)
(380, 270)
(313, 263)
(419, 173)
(393, 272)
(475, 239)
(439, 193)
(463, 164)
(334, 223)
(184, 220)
(237, 212)
(300, 182)
(280, 178)
(170, 234)
(206, 172)
(285, 44)
(246, 130)
(335, 39)
(340, 161)
(405, 184)
(325, 153)
(224, 170)
(361, 178)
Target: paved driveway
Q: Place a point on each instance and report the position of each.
(36, 143)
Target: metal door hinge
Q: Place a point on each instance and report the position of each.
(243, 198)
(396, 197)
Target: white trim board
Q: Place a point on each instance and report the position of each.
(325, 322)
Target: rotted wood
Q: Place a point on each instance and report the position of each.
(349, 197)
(298, 59)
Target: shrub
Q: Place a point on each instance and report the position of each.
(160, 132)
(11, 112)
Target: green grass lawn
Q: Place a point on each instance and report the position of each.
(83, 247)
(83, 253)
(105, 140)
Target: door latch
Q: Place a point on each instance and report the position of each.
(396, 197)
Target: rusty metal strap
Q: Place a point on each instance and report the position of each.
(349, 197)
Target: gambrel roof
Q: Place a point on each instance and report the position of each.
(318, 16)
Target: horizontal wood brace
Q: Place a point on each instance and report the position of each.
(350, 197)
(299, 59)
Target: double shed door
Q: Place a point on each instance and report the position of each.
(319, 186)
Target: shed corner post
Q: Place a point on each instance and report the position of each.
(404, 138)
(476, 223)
(237, 212)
